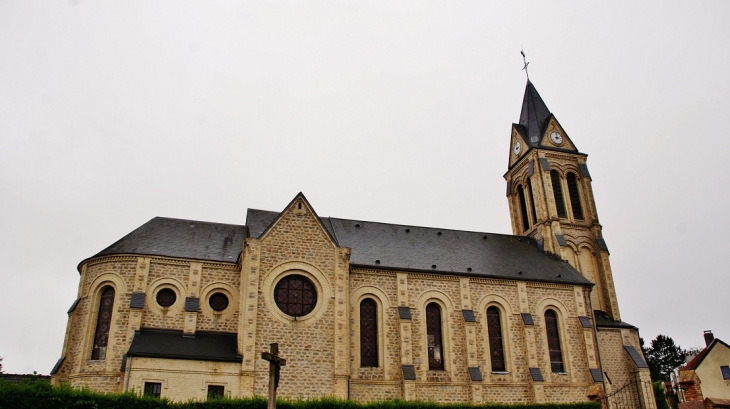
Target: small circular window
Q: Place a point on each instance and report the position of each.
(295, 295)
(166, 297)
(218, 302)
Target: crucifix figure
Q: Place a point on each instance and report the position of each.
(275, 364)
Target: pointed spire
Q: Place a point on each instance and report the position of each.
(534, 114)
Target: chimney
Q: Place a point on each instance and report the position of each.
(709, 337)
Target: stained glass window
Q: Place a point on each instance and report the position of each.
(166, 297)
(574, 196)
(368, 333)
(558, 193)
(295, 295)
(103, 323)
(496, 346)
(218, 302)
(433, 333)
(556, 355)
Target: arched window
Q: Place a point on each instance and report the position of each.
(558, 193)
(523, 209)
(368, 333)
(532, 201)
(433, 332)
(556, 355)
(496, 346)
(103, 323)
(574, 196)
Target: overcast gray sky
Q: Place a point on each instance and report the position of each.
(112, 113)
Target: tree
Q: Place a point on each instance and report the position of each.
(662, 356)
(1, 365)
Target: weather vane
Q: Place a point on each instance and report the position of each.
(526, 64)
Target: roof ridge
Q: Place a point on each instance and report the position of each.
(433, 228)
(196, 221)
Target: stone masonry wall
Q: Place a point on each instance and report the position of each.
(77, 369)
(183, 380)
(307, 344)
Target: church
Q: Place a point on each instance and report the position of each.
(368, 311)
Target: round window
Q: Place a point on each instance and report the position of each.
(218, 302)
(166, 297)
(295, 295)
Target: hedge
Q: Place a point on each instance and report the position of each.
(41, 395)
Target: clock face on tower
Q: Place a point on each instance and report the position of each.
(517, 149)
(556, 138)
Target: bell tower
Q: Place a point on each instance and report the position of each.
(551, 199)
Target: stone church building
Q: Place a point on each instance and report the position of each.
(365, 310)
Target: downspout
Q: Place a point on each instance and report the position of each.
(129, 371)
(598, 348)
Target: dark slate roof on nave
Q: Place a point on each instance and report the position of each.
(393, 246)
(183, 239)
(374, 245)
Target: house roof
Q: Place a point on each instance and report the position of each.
(203, 346)
(374, 245)
(697, 360)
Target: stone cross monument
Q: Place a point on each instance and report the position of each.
(275, 364)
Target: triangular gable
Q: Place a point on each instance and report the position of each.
(696, 361)
(297, 204)
(518, 135)
(560, 140)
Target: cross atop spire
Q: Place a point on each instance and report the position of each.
(526, 64)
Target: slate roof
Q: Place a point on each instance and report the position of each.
(190, 239)
(413, 248)
(374, 245)
(604, 320)
(534, 115)
(534, 119)
(204, 346)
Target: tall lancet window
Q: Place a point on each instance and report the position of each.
(556, 355)
(496, 346)
(532, 201)
(103, 323)
(574, 196)
(368, 333)
(523, 209)
(433, 333)
(558, 193)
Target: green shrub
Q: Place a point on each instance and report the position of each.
(41, 395)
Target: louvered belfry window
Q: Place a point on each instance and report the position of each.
(556, 355)
(574, 196)
(368, 333)
(295, 295)
(558, 193)
(433, 333)
(103, 323)
(496, 346)
(523, 209)
(532, 202)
